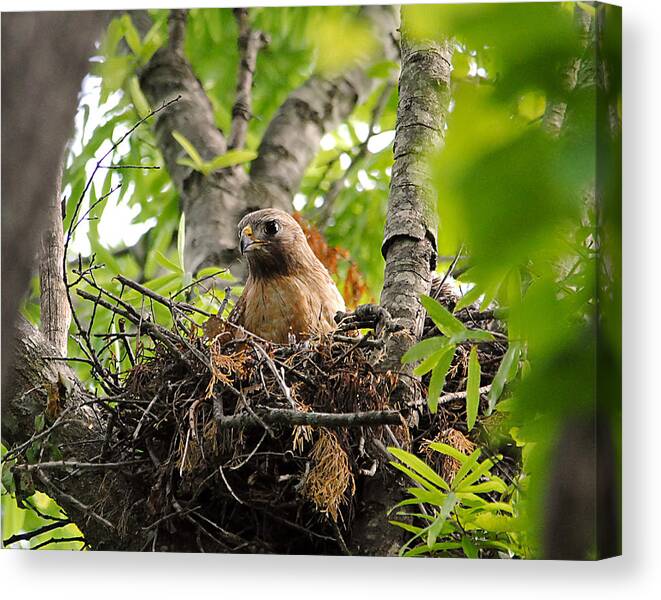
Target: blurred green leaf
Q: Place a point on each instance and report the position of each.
(195, 157)
(472, 388)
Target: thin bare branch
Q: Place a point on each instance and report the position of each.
(250, 42)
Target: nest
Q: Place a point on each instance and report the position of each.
(265, 447)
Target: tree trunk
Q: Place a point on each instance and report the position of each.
(409, 248)
(409, 245)
(44, 59)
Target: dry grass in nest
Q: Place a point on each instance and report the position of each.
(330, 482)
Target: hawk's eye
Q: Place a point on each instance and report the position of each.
(271, 227)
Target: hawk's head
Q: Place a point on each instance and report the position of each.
(274, 243)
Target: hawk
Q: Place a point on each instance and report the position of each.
(288, 291)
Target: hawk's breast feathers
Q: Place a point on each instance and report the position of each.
(288, 291)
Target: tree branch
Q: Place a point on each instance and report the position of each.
(318, 106)
(281, 416)
(209, 203)
(55, 310)
(250, 43)
(214, 204)
(409, 248)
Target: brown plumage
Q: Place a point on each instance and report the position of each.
(288, 291)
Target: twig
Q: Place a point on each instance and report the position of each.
(449, 271)
(231, 491)
(129, 167)
(171, 304)
(460, 395)
(74, 501)
(340, 540)
(278, 376)
(59, 540)
(339, 184)
(27, 535)
(144, 415)
(68, 464)
(177, 30)
(154, 330)
(87, 346)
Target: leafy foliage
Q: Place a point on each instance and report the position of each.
(436, 354)
(471, 515)
(537, 219)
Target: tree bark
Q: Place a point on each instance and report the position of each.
(55, 310)
(409, 245)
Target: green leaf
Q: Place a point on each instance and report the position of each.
(435, 497)
(428, 364)
(468, 298)
(419, 467)
(166, 263)
(435, 528)
(406, 526)
(479, 472)
(503, 374)
(138, 98)
(198, 163)
(113, 72)
(114, 33)
(187, 162)
(425, 348)
(131, 35)
(497, 523)
(39, 423)
(8, 476)
(152, 42)
(447, 323)
(437, 381)
(466, 467)
(413, 475)
(474, 335)
(493, 485)
(469, 548)
(440, 546)
(230, 159)
(472, 388)
(181, 241)
(449, 450)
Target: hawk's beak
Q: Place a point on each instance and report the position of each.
(247, 239)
